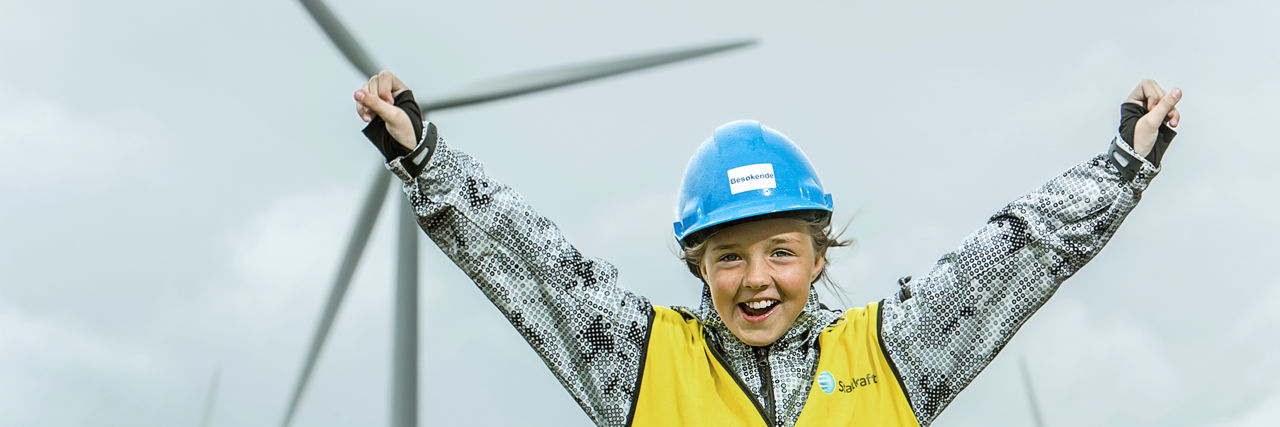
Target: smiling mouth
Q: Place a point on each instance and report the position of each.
(756, 311)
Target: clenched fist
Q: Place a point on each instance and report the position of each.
(377, 97)
(1159, 109)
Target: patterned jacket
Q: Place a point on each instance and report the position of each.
(939, 331)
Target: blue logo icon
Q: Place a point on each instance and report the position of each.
(827, 382)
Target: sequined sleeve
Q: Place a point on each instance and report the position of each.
(569, 307)
(943, 329)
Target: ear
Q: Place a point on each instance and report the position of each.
(819, 264)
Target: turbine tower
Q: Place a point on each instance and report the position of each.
(404, 389)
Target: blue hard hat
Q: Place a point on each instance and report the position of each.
(745, 170)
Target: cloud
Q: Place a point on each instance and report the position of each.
(1252, 372)
(1089, 368)
(263, 307)
(1263, 414)
(95, 376)
(71, 149)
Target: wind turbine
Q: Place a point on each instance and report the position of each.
(404, 389)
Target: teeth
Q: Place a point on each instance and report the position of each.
(758, 305)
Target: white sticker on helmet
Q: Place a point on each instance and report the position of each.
(751, 177)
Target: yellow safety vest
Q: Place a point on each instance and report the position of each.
(684, 383)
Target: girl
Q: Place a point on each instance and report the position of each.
(754, 226)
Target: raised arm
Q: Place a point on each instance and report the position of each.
(943, 329)
(589, 331)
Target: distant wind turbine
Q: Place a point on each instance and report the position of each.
(1031, 394)
(211, 397)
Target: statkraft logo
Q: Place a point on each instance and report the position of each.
(827, 382)
(856, 382)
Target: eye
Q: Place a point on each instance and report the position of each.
(728, 258)
(782, 253)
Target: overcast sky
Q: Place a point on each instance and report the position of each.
(179, 179)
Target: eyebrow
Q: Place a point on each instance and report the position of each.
(773, 241)
(722, 246)
(781, 240)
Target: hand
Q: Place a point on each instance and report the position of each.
(377, 97)
(1160, 109)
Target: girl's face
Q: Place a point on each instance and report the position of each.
(759, 273)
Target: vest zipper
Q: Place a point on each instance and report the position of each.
(766, 380)
(715, 351)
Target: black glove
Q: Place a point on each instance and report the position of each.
(377, 133)
(1129, 114)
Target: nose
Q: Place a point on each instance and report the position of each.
(758, 276)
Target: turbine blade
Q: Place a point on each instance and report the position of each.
(341, 38)
(1031, 394)
(557, 77)
(209, 399)
(355, 248)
